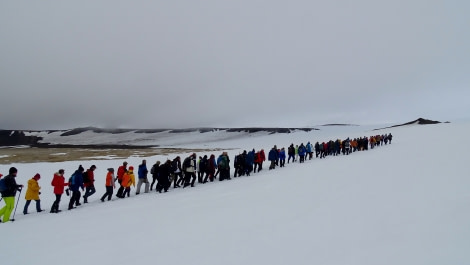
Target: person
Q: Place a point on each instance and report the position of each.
(120, 173)
(262, 158)
(189, 167)
(204, 168)
(58, 182)
(32, 193)
(9, 194)
(89, 183)
(109, 184)
(223, 166)
(211, 167)
(282, 157)
(164, 176)
(75, 184)
(127, 180)
(273, 155)
(177, 172)
(142, 174)
(302, 152)
(155, 171)
(249, 161)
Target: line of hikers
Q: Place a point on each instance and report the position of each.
(175, 172)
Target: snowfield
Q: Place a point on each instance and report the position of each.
(403, 203)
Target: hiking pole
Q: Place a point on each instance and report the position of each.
(19, 194)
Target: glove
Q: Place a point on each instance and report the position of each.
(39, 193)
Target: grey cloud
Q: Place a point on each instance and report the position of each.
(216, 63)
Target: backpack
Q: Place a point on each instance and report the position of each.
(3, 185)
(186, 163)
(86, 177)
(72, 180)
(223, 162)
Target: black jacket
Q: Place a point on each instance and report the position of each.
(11, 185)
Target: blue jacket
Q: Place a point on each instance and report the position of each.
(250, 158)
(302, 150)
(309, 147)
(273, 155)
(282, 155)
(142, 173)
(76, 181)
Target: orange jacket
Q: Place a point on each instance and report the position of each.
(110, 179)
(128, 179)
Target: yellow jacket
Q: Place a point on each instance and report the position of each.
(128, 179)
(32, 193)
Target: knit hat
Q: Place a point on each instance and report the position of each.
(80, 168)
(37, 176)
(131, 168)
(111, 169)
(13, 170)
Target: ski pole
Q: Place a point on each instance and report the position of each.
(19, 194)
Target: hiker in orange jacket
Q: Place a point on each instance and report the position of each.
(109, 184)
(127, 180)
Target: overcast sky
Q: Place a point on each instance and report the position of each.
(185, 63)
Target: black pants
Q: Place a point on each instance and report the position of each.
(154, 179)
(38, 206)
(187, 179)
(120, 191)
(55, 205)
(75, 199)
(109, 193)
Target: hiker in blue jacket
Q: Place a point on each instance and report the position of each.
(273, 156)
(76, 183)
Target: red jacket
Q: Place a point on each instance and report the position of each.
(88, 181)
(262, 156)
(59, 183)
(120, 172)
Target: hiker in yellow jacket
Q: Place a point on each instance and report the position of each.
(127, 180)
(32, 193)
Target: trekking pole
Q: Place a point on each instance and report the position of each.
(19, 194)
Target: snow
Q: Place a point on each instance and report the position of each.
(402, 203)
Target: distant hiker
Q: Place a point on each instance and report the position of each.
(155, 171)
(223, 166)
(317, 149)
(291, 153)
(75, 184)
(309, 149)
(177, 172)
(249, 161)
(58, 182)
(282, 157)
(164, 172)
(239, 165)
(109, 184)
(9, 194)
(120, 173)
(262, 158)
(32, 193)
(142, 174)
(272, 157)
(89, 183)
(204, 168)
(302, 151)
(211, 167)
(189, 168)
(128, 180)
